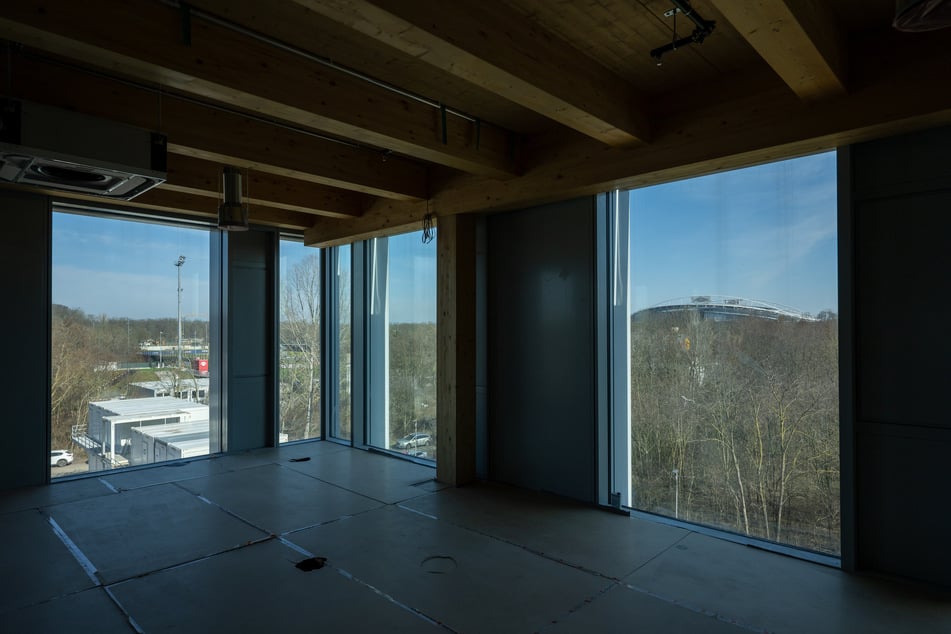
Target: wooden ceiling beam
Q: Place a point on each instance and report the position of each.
(145, 41)
(161, 199)
(498, 49)
(748, 120)
(799, 39)
(226, 137)
(160, 202)
(203, 178)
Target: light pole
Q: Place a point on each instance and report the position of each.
(178, 265)
(161, 338)
(676, 493)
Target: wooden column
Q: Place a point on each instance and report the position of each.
(456, 357)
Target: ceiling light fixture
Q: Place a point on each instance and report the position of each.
(232, 215)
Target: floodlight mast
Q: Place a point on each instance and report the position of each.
(178, 265)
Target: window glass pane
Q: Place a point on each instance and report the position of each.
(130, 343)
(300, 342)
(344, 319)
(734, 344)
(403, 339)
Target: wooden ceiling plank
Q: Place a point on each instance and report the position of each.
(498, 49)
(203, 178)
(799, 39)
(223, 137)
(756, 120)
(161, 199)
(298, 26)
(160, 202)
(143, 40)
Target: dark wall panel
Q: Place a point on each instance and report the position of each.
(248, 396)
(25, 391)
(541, 348)
(903, 519)
(903, 305)
(901, 210)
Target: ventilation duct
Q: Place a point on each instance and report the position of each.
(57, 149)
(922, 15)
(232, 214)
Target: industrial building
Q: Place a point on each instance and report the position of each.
(514, 129)
(114, 426)
(170, 441)
(195, 389)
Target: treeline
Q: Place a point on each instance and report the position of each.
(735, 424)
(412, 383)
(84, 356)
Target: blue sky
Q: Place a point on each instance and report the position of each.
(120, 268)
(766, 233)
(412, 275)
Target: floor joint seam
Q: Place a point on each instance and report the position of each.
(254, 542)
(586, 603)
(342, 488)
(412, 510)
(696, 609)
(533, 551)
(224, 510)
(672, 545)
(88, 567)
(347, 575)
(128, 616)
(334, 520)
(391, 599)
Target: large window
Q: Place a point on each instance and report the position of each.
(734, 343)
(130, 343)
(300, 400)
(343, 340)
(402, 334)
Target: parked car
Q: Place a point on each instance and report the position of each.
(418, 439)
(60, 458)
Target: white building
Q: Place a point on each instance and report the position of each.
(189, 389)
(108, 434)
(157, 443)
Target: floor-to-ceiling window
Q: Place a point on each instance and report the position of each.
(300, 337)
(402, 335)
(734, 414)
(130, 343)
(343, 339)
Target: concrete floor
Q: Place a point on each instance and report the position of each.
(211, 546)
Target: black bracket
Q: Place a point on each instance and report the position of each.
(701, 31)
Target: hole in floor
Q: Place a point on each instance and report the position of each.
(438, 564)
(313, 563)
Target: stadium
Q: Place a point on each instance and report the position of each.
(724, 308)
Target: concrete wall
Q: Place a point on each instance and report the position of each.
(25, 288)
(901, 212)
(541, 348)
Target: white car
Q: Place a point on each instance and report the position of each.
(60, 458)
(413, 440)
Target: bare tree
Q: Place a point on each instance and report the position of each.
(300, 350)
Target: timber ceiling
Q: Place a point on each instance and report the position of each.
(356, 118)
